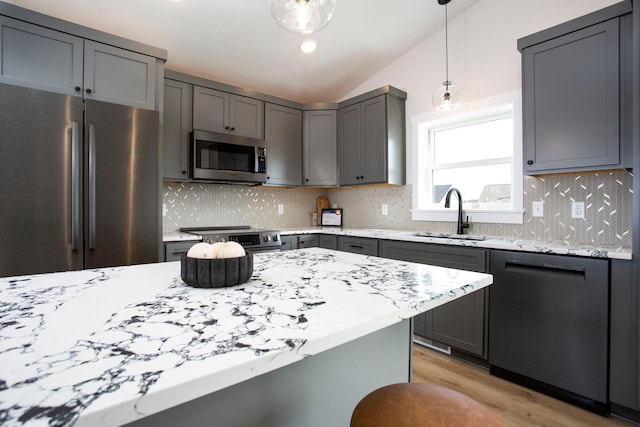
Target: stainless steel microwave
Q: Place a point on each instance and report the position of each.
(219, 157)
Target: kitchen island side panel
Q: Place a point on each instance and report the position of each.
(317, 391)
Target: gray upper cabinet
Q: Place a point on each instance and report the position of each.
(54, 62)
(462, 323)
(119, 76)
(574, 91)
(46, 59)
(218, 111)
(371, 140)
(283, 133)
(320, 148)
(176, 129)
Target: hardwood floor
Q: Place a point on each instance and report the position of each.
(517, 406)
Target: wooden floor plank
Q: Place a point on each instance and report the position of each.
(517, 406)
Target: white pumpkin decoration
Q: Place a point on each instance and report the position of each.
(215, 247)
(201, 250)
(231, 250)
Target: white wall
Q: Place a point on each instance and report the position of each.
(483, 58)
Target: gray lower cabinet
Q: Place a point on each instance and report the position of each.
(624, 390)
(371, 140)
(328, 241)
(43, 58)
(283, 133)
(176, 128)
(575, 90)
(320, 148)
(174, 250)
(358, 245)
(462, 323)
(299, 241)
(218, 111)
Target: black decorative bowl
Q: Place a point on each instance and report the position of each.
(217, 272)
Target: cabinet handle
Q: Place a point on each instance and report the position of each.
(89, 90)
(529, 162)
(76, 172)
(92, 186)
(184, 172)
(356, 246)
(307, 179)
(232, 129)
(78, 88)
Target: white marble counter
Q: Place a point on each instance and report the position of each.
(108, 346)
(522, 245)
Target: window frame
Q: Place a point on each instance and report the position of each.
(488, 108)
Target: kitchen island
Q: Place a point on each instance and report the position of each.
(300, 343)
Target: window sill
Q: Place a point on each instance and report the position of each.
(451, 215)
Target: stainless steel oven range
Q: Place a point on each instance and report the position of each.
(252, 239)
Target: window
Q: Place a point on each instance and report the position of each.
(477, 152)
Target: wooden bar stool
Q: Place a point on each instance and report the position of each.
(417, 404)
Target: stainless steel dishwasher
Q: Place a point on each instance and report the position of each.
(549, 323)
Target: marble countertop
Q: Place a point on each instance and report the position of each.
(521, 245)
(108, 346)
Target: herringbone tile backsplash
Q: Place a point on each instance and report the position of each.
(607, 198)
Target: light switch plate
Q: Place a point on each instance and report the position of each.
(537, 209)
(385, 209)
(280, 209)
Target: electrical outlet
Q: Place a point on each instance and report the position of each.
(577, 210)
(280, 209)
(164, 209)
(385, 209)
(537, 209)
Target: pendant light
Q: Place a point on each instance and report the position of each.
(302, 16)
(446, 97)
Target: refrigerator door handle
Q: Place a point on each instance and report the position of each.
(75, 186)
(92, 186)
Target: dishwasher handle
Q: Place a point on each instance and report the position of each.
(512, 263)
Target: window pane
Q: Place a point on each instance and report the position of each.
(478, 141)
(478, 185)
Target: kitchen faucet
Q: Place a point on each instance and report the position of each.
(447, 204)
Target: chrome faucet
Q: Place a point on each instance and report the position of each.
(447, 203)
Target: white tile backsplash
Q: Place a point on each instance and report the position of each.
(607, 197)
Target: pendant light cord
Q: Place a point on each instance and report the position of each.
(446, 45)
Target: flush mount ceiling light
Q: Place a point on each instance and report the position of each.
(308, 46)
(446, 97)
(302, 16)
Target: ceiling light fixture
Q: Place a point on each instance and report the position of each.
(308, 46)
(446, 97)
(302, 16)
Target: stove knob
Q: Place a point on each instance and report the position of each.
(275, 237)
(267, 238)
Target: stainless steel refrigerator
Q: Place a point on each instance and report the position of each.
(79, 183)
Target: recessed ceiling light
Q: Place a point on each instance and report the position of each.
(308, 46)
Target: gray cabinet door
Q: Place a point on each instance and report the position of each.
(289, 242)
(374, 144)
(623, 363)
(571, 90)
(350, 145)
(328, 241)
(461, 323)
(174, 250)
(283, 132)
(246, 116)
(119, 76)
(217, 111)
(210, 110)
(176, 127)
(54, 59)
(320, 148)
(308, 241)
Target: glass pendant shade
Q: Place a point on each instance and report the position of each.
(302, 16)
(446, 97)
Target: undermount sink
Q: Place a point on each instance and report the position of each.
(449, 236)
